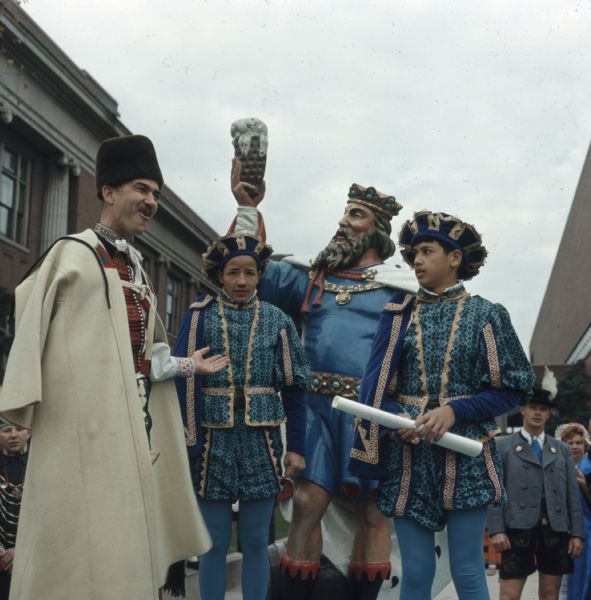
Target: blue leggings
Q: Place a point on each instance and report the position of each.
(253, 531)
(465, 532)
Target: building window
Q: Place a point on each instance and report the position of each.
(6, 328)
(147, 265)
(173, 299)
(582, 349)
(14, 194)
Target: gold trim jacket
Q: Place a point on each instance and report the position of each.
(452, 348)
(266, 356)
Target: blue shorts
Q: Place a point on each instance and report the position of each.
(238, 463)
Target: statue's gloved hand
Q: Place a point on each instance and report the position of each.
(240, 189)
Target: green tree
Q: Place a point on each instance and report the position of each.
(573, 398)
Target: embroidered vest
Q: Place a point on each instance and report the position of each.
(137, 314)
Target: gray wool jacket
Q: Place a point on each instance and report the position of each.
(526, 480)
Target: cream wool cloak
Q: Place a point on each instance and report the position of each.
(98, 520)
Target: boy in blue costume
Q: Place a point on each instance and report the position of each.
(452, 362)
(232, 418)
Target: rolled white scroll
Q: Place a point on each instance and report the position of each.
(451, 441)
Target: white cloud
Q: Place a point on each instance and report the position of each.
(476, 108)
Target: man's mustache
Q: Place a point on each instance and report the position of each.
(346, 233)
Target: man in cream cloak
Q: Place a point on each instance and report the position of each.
(98, 520)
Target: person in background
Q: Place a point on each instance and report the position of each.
(541, 526)
(13, 463)
(578, 584)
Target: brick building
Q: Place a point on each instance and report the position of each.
(53, 116)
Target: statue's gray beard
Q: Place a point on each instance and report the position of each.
(343, 255)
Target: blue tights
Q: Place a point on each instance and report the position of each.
(465, 531)
(253, 531)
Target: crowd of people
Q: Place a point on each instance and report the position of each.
(139, 451)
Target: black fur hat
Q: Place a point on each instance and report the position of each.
(125, 158)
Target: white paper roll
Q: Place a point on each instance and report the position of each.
(451, 441)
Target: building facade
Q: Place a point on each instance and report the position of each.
(562, 335)
(53, 117)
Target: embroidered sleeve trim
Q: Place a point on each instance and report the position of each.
(287, 367)
(203, 302)
(227, 391)
(450, 345)
(405, 481)
(372, 457)
(185, 367)
(191, 430)
(393, 307)
(249, 353)
(492, 473)
(205, 461)
(259, 390)
(489, 436)
(493, 357)
(420, 401)
(229, 371)
(393, 384)
(450, 479)
(420, 352)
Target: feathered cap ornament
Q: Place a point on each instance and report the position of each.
(545, 392)
(448, 229)
(228, 247)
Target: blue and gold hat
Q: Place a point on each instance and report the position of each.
(449, 230)
(370, 197)
(231, 246)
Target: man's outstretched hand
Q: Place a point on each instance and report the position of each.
(208, 366)
(240, 189)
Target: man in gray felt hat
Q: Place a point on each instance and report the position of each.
(541, 526)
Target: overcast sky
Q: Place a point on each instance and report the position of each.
(480, 109)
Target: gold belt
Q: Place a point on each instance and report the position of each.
(333, 384)
(237, 393)
(228, 391)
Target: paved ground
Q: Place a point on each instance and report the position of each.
(529, 593)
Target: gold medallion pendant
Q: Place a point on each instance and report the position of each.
(344, 292)
(343, 298)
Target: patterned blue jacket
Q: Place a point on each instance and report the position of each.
(434, 350)
(266, 357)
